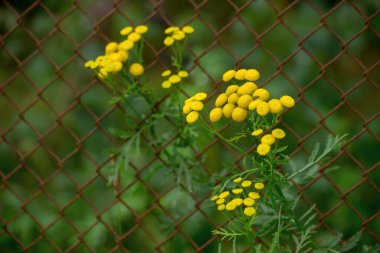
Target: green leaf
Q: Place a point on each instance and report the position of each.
(352, 242)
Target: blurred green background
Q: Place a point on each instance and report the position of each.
(55, 117)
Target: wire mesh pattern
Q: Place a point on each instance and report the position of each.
(54, 128)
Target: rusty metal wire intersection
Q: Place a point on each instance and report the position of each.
(51, 147)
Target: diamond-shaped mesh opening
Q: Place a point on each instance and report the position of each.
(362, 199)
(68, 235)
(295, 17)
(22, 228)
(42, 163)
(339, 217)
(39, 71)
(345, 28)
(40, 117)
(30, 183)
(58, 41)
(368, 106)
(43, 209)
(11, 202)
(71, 31)
(20, 91)
(280, 49)
(260, 16)
(366, 156)
(323, 45)
(344, 173)
(61, 188)
(38, 22)
(60, 141)
(14, 44)
(9, 157)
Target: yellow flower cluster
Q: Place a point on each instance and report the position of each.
(174, 33)
(116, 54)
(239, 197)
(173, 78)
(193, 106)
(237, 100)
(268, 139)
(241, 74)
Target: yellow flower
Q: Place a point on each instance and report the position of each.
(228, 75)
(237, 201)
(239, 114)
(183, 73)
(141, 29)
(253, 195)
(278, 133)
(136, 69)
(275, 106)
(240, 74)
(178, 35)
(126, 45)
(168, 41)
(91, 64)
(248, 202)
(216, 114)
(233, 98)
(116, 67)
(252, 75)
(196, 106)
(134, 37)
(115, 57)
(103, 73)
(224, 194)
(166, 84)
(111, 47)
(268, 139)
(227, 110)
(246, 183)
(220, 201)
(124, 55)
(249, 211)
(221, 100)
(214, 198)
(186, 108)
(259, 186)
(232, 88)
(257, 132)
(126, 30)
(262, 108)
(237, 180)
(200, 96)
(221, 207)
(247, 88)
(263, 149)
(237, 191)
(192, 117)
(166, 73)
(261, 93)
(254, 103)
(287, 101)
(244, 101)
(230, 206)
(174, 79)
(188, 29)
(171, 29)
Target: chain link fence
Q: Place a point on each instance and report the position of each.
(55, 118)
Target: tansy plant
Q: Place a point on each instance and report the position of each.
(177, 155)
(259, 202)
(121, 69)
